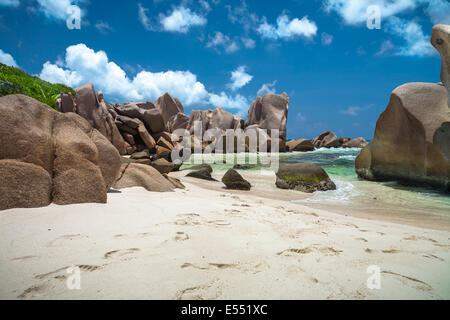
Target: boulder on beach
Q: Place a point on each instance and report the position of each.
(78, 163)
(178, 121)
(326, 139)
(164, 166)
(145, 112)
(233, 180)
(303, 177)
(355, 143)
(202, 173)
(140, 175)
(411, 141)
(302, 145)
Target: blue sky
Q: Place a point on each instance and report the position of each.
(338, 73)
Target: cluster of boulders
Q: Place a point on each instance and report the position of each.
(412, 136)
(326, 139)
(49, 156)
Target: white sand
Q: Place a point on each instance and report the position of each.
(208, 243)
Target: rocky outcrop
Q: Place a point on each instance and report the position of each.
(140, 175)
(61, 154)
(168, 107)
(234, 181)
(302, 145)
(269, 112)
(440, 39)
(411, 141)
(218, 118)
(94, 109)
(303, 177)
(355, 143)
(326, 139)
(178, 121)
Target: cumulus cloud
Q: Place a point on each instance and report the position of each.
(439, 11)
(355, 110)
(239, 78)
(221, 41)
(416, 42)
(386, 47)
(7, 59)
(83, 64)
(249, 43)
(286, 28)
(267, 88)
(242, 15)
(9, 3)
(56, 9)
(181, 20)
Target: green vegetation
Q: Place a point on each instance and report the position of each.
(14, 80)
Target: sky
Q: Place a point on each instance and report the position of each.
(338, 60)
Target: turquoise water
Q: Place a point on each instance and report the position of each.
(339, 163)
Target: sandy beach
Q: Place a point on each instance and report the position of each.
(206, 242)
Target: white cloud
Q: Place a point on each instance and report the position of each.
(7, 59)
(83, 64)
(267, 88)
(386, 47)
(439, 11)
(143, 18)
(327, 39)
(286, 28)
(10, 3)
(103, 27)
(354, 11)
(181, 20)
(242, 16)
(249, 43)
(56, 9)
(237, 102)
(355, 110)
(222, 41)
(417, 43)
(239, 78)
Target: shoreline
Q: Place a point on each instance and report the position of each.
(202, 243)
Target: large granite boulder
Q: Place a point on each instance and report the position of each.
(440, 39)
(141, 175)
(233, 180)
(355, 143)
(270, 112)
(95, 110)
(412, 138)
(59, 157)
(218, 118)
(66, 103)
(168, 107)
(178, 121)
(303, 177)
(146, 112)
(326, 139)
(302, 145)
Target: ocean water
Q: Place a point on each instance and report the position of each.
(381, 197)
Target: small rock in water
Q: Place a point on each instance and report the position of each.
(303, 177)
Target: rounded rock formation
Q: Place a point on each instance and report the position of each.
(303, 177)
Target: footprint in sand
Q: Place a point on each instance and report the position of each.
(188, 219)
(24, 258)
(181, 236)
(391, 251)
(61, 273)
(126, 253)
(409, 281)
(219, 223)
(200, 292)
(34, 291)
(61, 240)
(324, 250)
(361, 239)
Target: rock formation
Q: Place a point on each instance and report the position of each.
(326, 139)
(48, 156)
(168, 107)
(355, 143)
(234, 181)
(303, 177)
(302, 145)
(440, 39)
(412, 136)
